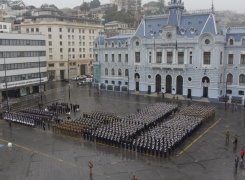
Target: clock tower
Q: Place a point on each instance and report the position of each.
(176, 8)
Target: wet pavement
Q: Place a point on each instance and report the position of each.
(39, 155)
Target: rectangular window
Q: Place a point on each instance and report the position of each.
(50, 50)
(206, 58)
(159, 57)
(190, 58)
(69, 43)
(83, 43)
(112, 58)
(50, 43)
(137, 57)
(230, 59)
(60, 43)
(61, 49)
(80, 49)
(180, 57)
(242, 61)
(119, 58)
(50, 57)
(49, 29)
(221, 58)
(169, 57)
(37, 29)
(106, 57)
(73, 44)
(126, 57)
(69, 37)
(60, 36)
(61, 56)
(72, 30)
(83, 55)
(83, 49)
(68, 29)
(73, 49)
(72, 36)
(62, 64)
(79, 31)
(60, 29)
(50, 36)
(96, 57)
(50, 65)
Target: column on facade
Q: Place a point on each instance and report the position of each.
(164, 58)
(174, 56)
(153, 56)
(185, 56)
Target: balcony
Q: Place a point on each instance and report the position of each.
(172, 66)
(241, 84)
(242, 66)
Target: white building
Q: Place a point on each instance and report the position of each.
(5, 27)
(22, 54)
(65, 36)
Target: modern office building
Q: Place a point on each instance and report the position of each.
(24, 56)
(65, 37)
(180, 53)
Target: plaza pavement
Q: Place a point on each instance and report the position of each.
(42, 155)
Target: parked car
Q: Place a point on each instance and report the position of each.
(64, 80)
(81, 83)
(75, 78)
(82, 77)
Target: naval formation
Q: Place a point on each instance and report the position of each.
(156, 129)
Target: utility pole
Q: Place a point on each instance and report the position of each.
(40, 84)
(69, 77)
(6, 88)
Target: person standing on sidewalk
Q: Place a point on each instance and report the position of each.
(242, 154)
(10, 124)
(236, 162)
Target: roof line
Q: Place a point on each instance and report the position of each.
(205, 24)
(138, 28)
(214, 24)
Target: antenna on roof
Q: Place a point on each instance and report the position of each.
(212, 6)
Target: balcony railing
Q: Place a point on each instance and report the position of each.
(160, 65)
(241, 84)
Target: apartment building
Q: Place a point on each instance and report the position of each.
(68, 39)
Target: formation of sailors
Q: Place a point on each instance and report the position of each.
(31, 117)
(63, 108)
(204, 112)
(162, 139)
(69, 128)
(122, 132)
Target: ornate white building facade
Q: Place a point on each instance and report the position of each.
(180, 53)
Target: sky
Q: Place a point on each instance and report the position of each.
(233, 5)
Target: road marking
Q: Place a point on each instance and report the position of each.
(199, 137)
(37, 152)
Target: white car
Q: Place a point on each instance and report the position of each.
(75, 78)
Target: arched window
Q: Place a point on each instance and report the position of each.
(243, 41)
(106, 71)
(229, 78)
(242, 78)
(126, 72)
(112, 72)
(240, 92)
(112, 44)
(231, 41)
(119, 82)
(119, 72)
(119, 44)
(112, 82)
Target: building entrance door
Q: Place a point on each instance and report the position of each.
(158, 83)
(82, 69)
(180, 85)
(189, 93)
(168, 84)
(62, 74)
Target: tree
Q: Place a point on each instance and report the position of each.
(85, 7)
(161, 4)
(94, 4)
(16, 7)
(31, 7)
(28, 13)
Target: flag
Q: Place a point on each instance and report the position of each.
(176, 45)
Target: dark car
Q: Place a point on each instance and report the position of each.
(64, 80)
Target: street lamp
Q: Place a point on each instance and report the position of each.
(5, 68)
(40, 84)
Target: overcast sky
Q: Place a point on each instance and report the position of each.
(234, 5)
